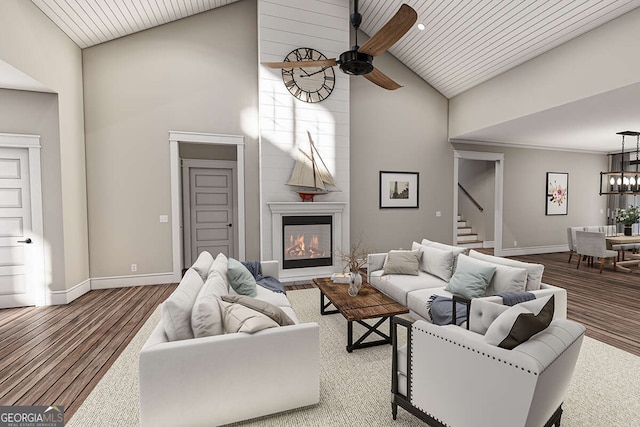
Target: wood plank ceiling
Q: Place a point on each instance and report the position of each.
(464, 42)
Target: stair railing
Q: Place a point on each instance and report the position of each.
(474, 201)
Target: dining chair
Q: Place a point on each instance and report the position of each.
(593, 245)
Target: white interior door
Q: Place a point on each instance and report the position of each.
(211, 205)
(19, 261)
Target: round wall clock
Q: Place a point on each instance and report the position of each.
(308, 84)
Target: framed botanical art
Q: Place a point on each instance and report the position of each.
(557, 194)
(398, 189)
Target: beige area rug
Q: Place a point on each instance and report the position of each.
(355, 388)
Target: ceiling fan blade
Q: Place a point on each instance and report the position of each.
(379, 78)
(299, 64)
(391, 32)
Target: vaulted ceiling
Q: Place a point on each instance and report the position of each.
(464, 43)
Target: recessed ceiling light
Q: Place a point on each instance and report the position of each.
(421, 26)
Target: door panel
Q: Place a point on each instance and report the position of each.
(211, 216)
(17, 261)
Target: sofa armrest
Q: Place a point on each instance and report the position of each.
(375, 262)
(227, 378)
(560, 310)
(270, 268)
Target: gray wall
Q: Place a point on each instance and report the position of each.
(401, 130)
(37, 114)
(197, 74)
(524, 218)
(30, 42)
(478, 178)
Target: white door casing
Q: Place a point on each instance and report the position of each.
(175, 138)
(209, 208)
(22, 279)
(498, 158)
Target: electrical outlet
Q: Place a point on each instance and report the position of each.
(515, 243)
(164, 218)
(438, 213)
(134, 267)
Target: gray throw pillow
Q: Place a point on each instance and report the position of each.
(402, 262)
(470, 279)
(238, 318)
(274, 312)
(520, 322)
(241, 279)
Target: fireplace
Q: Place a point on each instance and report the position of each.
(307, 241)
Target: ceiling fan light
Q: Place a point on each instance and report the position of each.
(421, 26)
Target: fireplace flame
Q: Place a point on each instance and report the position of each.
(298, 249)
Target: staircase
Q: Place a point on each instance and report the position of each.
(466, 236)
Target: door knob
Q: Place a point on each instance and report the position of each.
(229, 225)
(28, 240)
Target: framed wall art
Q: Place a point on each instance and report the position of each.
(398, 189)
(556, 194)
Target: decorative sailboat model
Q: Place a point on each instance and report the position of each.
(310, 175)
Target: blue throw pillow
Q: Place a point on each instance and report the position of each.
(241, 279)
(470, 279)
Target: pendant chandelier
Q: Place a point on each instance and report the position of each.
(621, 181)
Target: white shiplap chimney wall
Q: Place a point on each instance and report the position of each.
(284, 121)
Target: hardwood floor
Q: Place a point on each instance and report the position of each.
(57, 354)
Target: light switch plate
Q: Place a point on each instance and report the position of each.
(164, 218)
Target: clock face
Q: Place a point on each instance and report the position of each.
(309, 84)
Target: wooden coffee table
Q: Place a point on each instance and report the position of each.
(370, 303)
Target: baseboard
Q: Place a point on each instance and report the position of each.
(533, 250)
(488, 244)
(67, 296)
(135, 280)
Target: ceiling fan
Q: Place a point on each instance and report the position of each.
(358, 60)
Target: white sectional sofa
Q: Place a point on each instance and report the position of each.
(437, 266)
(225, 377)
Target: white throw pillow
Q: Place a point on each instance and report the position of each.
(202, 264)
(520, 322)
(219, 270)
(176, 310)
(534, 271)
(506, 279)
(206, 317)
(435, 261)
(238, 318)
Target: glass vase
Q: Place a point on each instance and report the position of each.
(356, 283)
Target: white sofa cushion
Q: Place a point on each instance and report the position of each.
(176, 310)
(534, 271)
(402, 262)
(520, 322)
(397, 286)
(275, 298)
(438, 262)
(238, 318)
(206, 316)
(202, 264)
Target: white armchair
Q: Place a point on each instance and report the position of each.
(449, 376)
(593, 244)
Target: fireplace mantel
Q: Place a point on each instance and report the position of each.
(340, 239)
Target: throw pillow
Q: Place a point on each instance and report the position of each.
(206, 316)
(176, 310)
(520, 322)
(402, 262)
(435, 261)
(470, 279)
(219, 270)
(238, 318)
(202, 264)
(534, 271)
(274, 312)
(241, 279)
